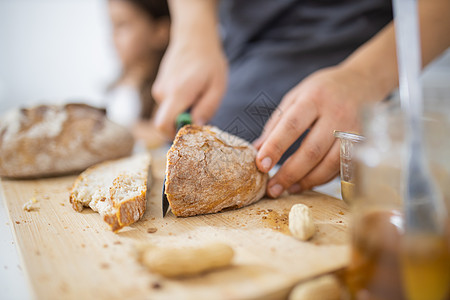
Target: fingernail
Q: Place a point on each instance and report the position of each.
(276, 190)
(266, 163)
(295, 188)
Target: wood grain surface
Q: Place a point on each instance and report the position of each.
(70, 255)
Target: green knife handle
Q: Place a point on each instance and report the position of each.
(183, 119)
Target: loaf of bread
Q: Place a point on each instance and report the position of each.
(115, 189)
(50, 140)
(209, 170)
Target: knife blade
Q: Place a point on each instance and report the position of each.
(182, 120)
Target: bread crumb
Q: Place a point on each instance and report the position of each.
(105, 246)
(64, 287)
(83, 245)
(341, 212)
(104, 266)
(152, 230)
(156, 285)
(117, 243)
(17, 222)
(62, 204)
(32, 204)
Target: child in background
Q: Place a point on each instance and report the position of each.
(141, 35)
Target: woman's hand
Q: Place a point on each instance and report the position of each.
(192, 75)
(325, 101)
(194, 69)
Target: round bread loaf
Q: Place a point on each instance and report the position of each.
(50, 140)
(209, 170)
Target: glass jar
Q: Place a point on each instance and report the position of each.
(347, 142)
(380, 266)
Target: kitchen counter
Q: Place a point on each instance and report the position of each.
(13, 284)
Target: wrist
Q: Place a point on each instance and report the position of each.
(374, 65)
(368, 83)
(194, 20)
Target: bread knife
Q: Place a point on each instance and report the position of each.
(182, 120)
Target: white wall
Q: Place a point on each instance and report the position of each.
(54, 50)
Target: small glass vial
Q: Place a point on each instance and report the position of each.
(348, 142)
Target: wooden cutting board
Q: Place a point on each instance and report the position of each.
(70, 255)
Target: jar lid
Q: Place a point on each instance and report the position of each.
(348, 136)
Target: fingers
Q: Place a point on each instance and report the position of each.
(327, 169)
(209, 102)
(198, 87)
(159, 86)
(166, 115)
(274, 119)
(172, 105)
(157, 90)
(313, 149)
(288, 129)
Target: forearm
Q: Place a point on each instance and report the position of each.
(434, 28)
(376, 60)
(192, 19)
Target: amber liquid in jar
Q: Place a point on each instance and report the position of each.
(347, 191)
(375, 268)
(386, 264)
(426, 267)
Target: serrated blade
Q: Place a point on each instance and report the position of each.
(165, 202)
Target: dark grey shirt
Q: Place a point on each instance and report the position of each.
(271, 45)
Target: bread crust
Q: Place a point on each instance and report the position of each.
(50, 140)
(209, 170)
(118, 211)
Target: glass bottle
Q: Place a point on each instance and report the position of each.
(380, 266)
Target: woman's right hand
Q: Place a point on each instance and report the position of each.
(193, 71)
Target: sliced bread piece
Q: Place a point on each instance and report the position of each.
(115, 189)
(209, 170)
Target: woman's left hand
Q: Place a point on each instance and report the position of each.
(325, 101)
